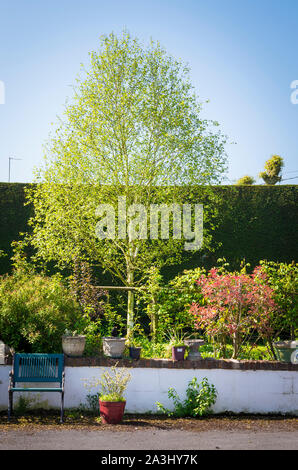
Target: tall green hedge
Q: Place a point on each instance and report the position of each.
(256, 222)
(13, 219)
(253, 222)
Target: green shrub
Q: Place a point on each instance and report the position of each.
(35, 310)
(176, 300)
(199, 399)
(168, 305)
(151, 349)
(283, 279)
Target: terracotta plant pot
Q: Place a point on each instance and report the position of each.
(134, 353)
(73, 346)
(111, 412)
(178, 353)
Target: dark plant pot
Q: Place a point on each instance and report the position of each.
(111, 412)
(178, 353)
(134, 353)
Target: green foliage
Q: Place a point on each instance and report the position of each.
(199, 399)
(112, 384)
(245, 180)
(23, 405)
(35, 310)
(174, 301)
(252, 222)
(92, 402)
(99, 317)
(90, 407)
(152, 349)
(283, 278)
(111, 397)
(150, 293)
(14, 216)
(176, 337)
(143, 135)
(273, 167)
(137, 333)
(249, 351)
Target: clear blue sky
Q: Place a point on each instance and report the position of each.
(242, 55)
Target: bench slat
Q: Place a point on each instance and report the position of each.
(38, 367)
(36, 389)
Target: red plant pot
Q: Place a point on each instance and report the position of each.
(178, 353)
(111, 412)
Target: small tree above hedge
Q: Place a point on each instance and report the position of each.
(273, 167)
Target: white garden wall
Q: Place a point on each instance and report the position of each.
(249, 391)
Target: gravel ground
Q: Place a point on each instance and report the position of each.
(42, 431)
(147, 440)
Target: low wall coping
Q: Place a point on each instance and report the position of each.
(208, 363)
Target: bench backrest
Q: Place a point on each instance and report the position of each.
(38, 367)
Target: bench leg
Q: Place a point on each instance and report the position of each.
(62, 407)
(10, 403)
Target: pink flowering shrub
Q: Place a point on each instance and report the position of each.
(235, 306)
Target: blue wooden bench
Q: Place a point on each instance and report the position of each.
(36, 368)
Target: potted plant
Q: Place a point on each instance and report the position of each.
(73, 344)
(134, 350)
(114, 345)
(112, 385)
(132, 344)
(177, 345)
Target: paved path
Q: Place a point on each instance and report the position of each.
(155, 439)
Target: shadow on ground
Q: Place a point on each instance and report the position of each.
(76, 419)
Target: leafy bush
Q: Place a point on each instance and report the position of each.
(168, 305)
(253, 352)
(283, 279)
(199, 399)
(151, 349)
(35, 310)
(182, 291)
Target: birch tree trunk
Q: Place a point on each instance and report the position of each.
(130, 304)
